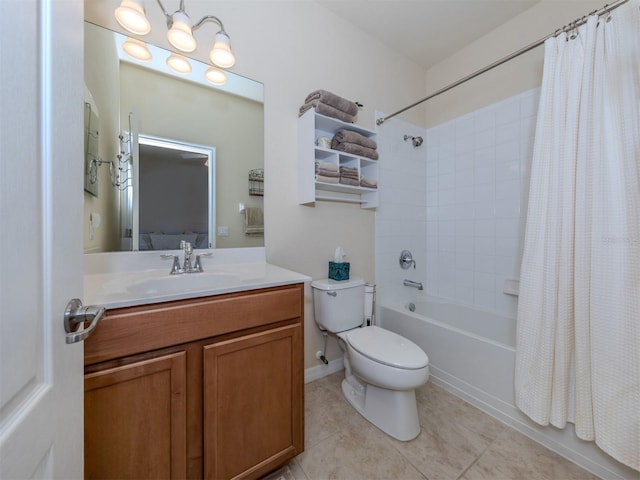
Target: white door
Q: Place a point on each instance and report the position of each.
(41, 377)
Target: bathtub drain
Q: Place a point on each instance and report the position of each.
(412, 307)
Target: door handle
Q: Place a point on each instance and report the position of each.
(76, 314)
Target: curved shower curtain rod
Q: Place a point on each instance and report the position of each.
(566, 28)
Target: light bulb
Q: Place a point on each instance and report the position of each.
(137, 49)
(178, 64)
(215, 76)
(130, 15)
(221, 52)
(180, 35)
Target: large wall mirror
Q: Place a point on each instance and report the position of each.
(168, 156)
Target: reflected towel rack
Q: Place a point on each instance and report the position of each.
(256, 182)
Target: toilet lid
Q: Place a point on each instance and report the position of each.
(387, 347)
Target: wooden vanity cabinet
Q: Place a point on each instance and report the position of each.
(203, 388)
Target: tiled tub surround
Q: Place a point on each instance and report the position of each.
(458, 203)
(477, 176)
(401, 217)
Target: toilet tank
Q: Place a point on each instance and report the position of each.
(338, 306)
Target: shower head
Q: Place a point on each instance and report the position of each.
(417, 141)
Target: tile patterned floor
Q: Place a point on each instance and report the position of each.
(457, 441)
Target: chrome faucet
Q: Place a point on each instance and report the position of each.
(411, 283)
(186, 265)
(188, 250)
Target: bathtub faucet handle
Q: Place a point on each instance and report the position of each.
(406, 260)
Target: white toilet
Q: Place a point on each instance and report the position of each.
(382, 368)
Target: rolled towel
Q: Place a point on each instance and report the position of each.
(350, 181)
(328, 110)
(365, 182)
(327, 165)
(333, 100)
(322, 178)
(356, 149)
(349, 136)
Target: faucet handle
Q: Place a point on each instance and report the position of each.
(197, 266)
(175, 267)
(406, 260)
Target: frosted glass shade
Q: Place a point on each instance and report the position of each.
(137, 49)
(178, 63)
(215, 76)
(130, 15)
(180, 34)
(221, 54)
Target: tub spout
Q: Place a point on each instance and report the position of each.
(411, 283)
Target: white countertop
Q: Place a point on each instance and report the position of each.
(115, 287)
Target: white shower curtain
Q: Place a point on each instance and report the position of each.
(578, 337)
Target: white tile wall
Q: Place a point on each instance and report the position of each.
(478, 176)
(458, 203)
(408, 201)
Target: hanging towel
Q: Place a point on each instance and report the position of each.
(333, 100)
(349, 136)
(253, 221)
(328, 110)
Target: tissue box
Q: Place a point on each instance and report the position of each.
(339, 271)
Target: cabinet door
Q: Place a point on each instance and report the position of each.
(135, 420)
(253, 403)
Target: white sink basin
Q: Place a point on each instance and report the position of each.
(187, 282)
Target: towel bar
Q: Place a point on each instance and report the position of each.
(337, 199)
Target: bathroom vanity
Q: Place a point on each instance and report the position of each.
(205, 387)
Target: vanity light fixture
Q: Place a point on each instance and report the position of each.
(131, 16)
(179, 64)
(221, 54)
(215, 76)
(137, 49)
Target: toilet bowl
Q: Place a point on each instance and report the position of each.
(380, 379)
(382, 368)
(386, 359)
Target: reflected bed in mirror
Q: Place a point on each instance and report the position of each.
(221, 127)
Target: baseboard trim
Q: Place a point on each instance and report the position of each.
(319, 371)
(600, 464)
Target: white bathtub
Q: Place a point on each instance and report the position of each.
(467, 348)
(471, 353)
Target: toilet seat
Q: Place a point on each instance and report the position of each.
(386, 347)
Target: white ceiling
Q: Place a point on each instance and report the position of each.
(427, 31)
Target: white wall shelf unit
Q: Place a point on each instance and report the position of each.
(312, 126)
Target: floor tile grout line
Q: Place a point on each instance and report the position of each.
(393, 445)
(489, 445)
